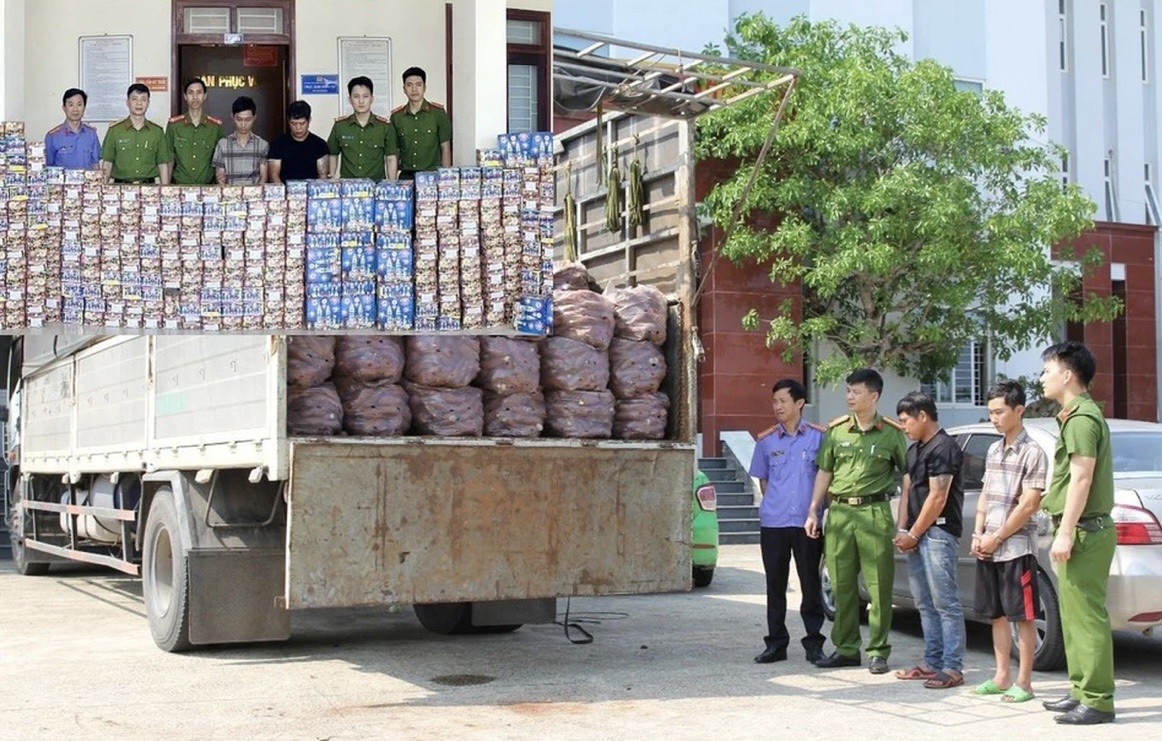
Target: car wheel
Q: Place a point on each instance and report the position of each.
(1049, 654)
(703, 575)
(829, 597)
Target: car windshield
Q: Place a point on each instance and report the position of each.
(1136, 451)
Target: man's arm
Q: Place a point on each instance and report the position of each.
(163, 172)
(822, 482)
(263, 173)
(1027, 506)
(334, 166)
(391, 165)
(106, 169)
(220, 175)
(1080, 480)
(938, 488)
(321, 165)
(446, 154)
(273, 170)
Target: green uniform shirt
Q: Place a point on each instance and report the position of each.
(193, 148)
(419, 135)
(861, 462)
(136, 154)
(363, 148)
(1083, 432)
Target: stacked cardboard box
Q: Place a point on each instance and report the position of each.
(394, 266)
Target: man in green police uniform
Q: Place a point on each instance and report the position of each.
(135, 149)
(422, 128)
(365, 142)
(859, 460)
(192, 138)
(1080, 500)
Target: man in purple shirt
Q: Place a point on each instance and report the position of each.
(73, 145)
(784, 464)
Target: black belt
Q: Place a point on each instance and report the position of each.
(120, 181)
(857, 501)
(1090, 524)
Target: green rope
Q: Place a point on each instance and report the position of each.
(613, 196)
(634, 197)
(570, 227)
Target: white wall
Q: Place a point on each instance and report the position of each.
(12, 60)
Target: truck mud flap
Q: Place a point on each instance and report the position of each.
(409, 522)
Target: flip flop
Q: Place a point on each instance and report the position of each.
(944, 681)
(916, 672)
(989, 687)
(1016, 693)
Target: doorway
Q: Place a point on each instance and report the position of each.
(258, 71)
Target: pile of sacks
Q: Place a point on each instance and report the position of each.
(598, 376)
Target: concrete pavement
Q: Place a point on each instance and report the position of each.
(76, 659)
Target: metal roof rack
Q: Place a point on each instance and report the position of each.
(656, 81)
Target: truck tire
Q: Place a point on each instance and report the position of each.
(165, 577)
(1050, 651)
(15, 539)
(703, 575)
(455, 618)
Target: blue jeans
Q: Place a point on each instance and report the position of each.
(932, 578)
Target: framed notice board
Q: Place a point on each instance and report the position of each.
(106, 70)
(371, 57)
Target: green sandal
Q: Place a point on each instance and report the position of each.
(1017, 693)
(988, 687)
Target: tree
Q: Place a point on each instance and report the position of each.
(916, 216)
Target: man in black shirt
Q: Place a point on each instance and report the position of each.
(930, 515)
(299, 155)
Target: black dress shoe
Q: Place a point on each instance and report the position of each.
(1084, 715)
(814, 655)
(878, 665)
(834, 661)
(771, 655)
(1064, 705)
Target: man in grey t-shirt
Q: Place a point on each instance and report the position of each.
(1004, 541)
(240, 159)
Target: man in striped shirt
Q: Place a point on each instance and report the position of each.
(1005, 541)
(240, 159)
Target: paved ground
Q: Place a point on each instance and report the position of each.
(76, 660)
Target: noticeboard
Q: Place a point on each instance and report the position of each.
(370, 57)
(106, 70)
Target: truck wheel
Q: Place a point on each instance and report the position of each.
(1049, 654)
(703, 575)
(165, 579)
(15, 539)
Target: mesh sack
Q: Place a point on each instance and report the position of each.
(442, 361)
(584, 316)
(446, 412)
(641, 418)
(509, 366)
(309, 360)
(572, 365)
(380, 410)
(514, 415)
(579, 413)
(314, 411)
(640, 313)
(571, 276)
(369, 358)
(635, 368)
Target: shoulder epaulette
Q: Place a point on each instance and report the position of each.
(55, 129)
(385, 120)
(341, 118)
(816, 427)
(893, 423)
(214, 120)
(1065, 414)
(175, 119)
(436, 105)
(766, 433)
(838, 421)
(397, 110)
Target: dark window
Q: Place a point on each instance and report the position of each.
(975, 452)
(529, 86)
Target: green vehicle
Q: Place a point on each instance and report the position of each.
(704, 519)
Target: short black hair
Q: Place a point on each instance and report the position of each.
(194, 81)
(1012, 392)
(415, 72)
(868, 377)
(75, 91)
(137, 87)
(243, 103)
(797, 390)
(915, 402)
(361, 80)
(1075, 356)
(299, 109)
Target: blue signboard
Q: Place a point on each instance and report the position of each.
(320, 84)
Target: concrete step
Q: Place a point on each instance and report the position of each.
(739, 525)
(732, 487)
(744, 499)
(735, 538)
(721, 474)
(706, 464)
(738, 512)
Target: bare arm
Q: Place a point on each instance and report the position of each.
(446, 154)
(273, 170)
(391, 164)
(334, 166)
(163, 171)
(938, 487)
(263, 174)
(822, 482)
(107, 169)
(321, 165)
(220, 175)
(902, 508)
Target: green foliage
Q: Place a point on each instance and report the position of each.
(917, 217)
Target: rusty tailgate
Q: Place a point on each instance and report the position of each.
(404, 521)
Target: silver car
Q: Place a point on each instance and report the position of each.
(1135, 586)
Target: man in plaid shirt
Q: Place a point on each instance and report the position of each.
(240, 159)
(1005, 541)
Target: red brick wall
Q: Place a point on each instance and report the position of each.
(1132, 246)
(735, 380)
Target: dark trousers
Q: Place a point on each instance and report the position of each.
(778, 545)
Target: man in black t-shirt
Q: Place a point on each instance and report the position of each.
(299, 155)
(930, 522)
